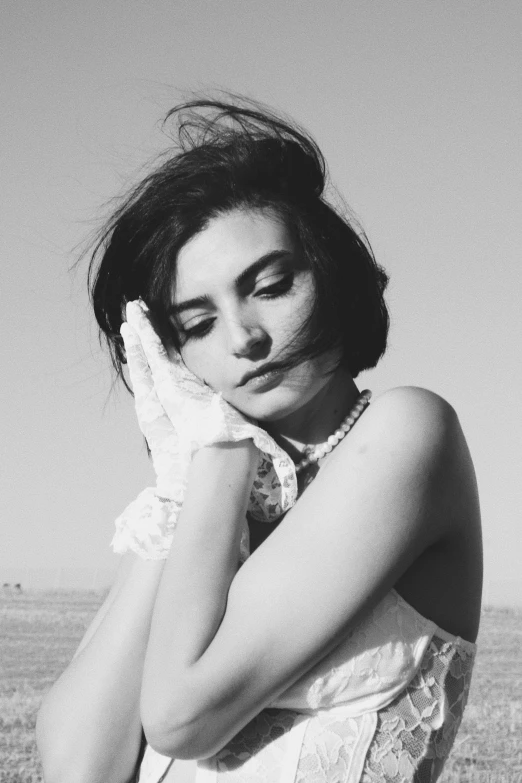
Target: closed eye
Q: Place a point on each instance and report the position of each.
(279, 288)
(200, 329)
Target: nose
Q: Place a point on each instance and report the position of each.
(246, 339)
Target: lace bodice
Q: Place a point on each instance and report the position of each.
(385, 705)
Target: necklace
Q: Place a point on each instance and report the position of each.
(320, 451)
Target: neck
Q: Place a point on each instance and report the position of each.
(317, 419)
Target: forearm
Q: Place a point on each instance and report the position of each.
(192, 595)
(89, 727)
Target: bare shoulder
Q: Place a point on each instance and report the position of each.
(410, 442)
(418, 445)
(411, 419)
(417, 407)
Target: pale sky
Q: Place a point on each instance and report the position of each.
(417, 107)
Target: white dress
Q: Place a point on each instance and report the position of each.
(385, 705)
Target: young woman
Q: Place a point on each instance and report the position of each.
(299, 595)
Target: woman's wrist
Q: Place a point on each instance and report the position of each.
(224, 469)
(227, 456)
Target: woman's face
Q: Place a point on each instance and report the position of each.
(242, 291)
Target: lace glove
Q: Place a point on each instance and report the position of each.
(147, 524)
(178, 414)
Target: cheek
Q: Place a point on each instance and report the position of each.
(292, 315)
(202, 362)
(302, 303)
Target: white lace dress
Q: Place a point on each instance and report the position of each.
(385, 705)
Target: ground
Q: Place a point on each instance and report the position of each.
(40, 631)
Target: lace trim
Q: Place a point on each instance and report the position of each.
(266, 750)
(147, 525)
(275, 487)
(416, 731)
(334, 748)
(147, 528)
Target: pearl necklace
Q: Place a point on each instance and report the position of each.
(320, 451)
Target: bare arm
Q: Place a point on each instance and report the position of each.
(193, 593)
(89, 728)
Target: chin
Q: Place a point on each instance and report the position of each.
(275, 404)
(297, 388)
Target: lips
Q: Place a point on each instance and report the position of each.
(265, 371)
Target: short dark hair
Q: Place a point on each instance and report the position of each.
(239, 155)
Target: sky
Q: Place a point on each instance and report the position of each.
(417, 107)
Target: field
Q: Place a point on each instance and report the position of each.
(40, 631)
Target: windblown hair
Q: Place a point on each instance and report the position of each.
(228, 156)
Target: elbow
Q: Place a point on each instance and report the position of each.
(56, 772)
(165, 715)
(69, 758)
(174, 742)
(52, 753)
(185, 735)
(187, 743)
(187, 721)
(168, 735)
(58, 766)
(65, 767)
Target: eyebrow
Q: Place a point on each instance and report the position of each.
(250, 271)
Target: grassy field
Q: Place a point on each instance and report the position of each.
(40, 631)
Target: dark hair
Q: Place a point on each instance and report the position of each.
(229, 156)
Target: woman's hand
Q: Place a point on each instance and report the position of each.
(159, 431)
(179, 415)
(198, 415)
(189, 416)
(146, 526)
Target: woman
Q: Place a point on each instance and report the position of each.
(331, 638)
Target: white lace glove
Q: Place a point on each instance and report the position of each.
(178, 414)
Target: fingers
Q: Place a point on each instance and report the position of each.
(152, 346)
(177, 389)
(139, 370)
(152, 418)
